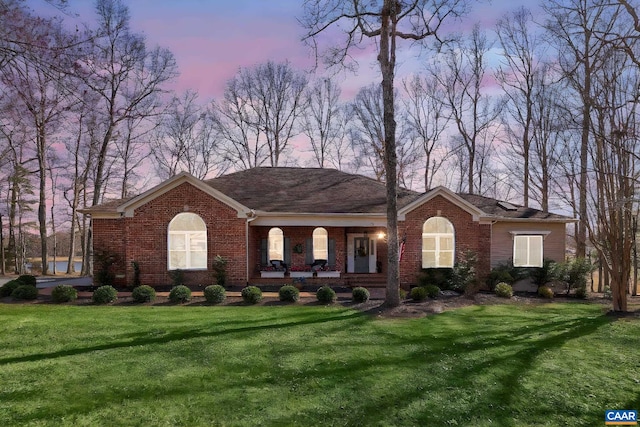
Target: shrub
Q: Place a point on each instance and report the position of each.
(542, 275)
(504, 290)
(326, 295)
(63, 293)
(220, 270)
(177, 277)
(403, 294)
(143, 293)
(105, 294)
(8, 288)
(179, 294)
(25, 292)
(289, 293)
(506, 273)
(105, 260)
(251, 294)
(360, 294)
(432, 291)
(419, 293)
(27, 279)
(434, 276)
(215, 294)
(463, 273)
(545, 292)
(136, 274)
(574, 274)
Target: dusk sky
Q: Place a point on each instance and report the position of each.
(212, 39)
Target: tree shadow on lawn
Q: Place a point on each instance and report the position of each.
(413, 382)
(497, 403)
(142, 339)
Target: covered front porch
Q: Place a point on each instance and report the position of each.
(337, 255)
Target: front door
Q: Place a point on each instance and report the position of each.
(361, 255)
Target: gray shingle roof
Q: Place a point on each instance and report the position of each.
(315, 190)
(307, 190)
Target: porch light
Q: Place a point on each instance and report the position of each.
(381, 235)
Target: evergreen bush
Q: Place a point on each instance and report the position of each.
(143, 293)
(360, 295)
(63, 293)
(251, 294)
(7, 288)
(418, 293)
(432, 291)
(215, 294)
(179, 294)
(27, 279)
(326, 295)
(503, 290)
(289, 293)
(105, 294)
(25, 292)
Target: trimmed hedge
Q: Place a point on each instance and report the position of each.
(9, 287)
(25, 292)
(143, 293)
(326, 295)
(64, 293)
(251, 294)
(360, 294)
(180, 294)
(215, 294)
(432, 291)
(289, 293)
(105, 294)
(545, 292)
(418, 293)
(27, 279)
(504, 290)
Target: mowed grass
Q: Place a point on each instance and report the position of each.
(503, 365)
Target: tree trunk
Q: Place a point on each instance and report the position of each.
(387, 65)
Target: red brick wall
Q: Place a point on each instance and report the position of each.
(143, 237)
(469, 235)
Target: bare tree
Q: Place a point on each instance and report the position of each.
(45, 98)
(260, 113)
(573, 26)
(427, 119)
(472, 110)
(521, 52)
(323, 122)
(385, 22)
(615, 161)
(186, 140)
(125, 74)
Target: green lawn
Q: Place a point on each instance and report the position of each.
(504, 365)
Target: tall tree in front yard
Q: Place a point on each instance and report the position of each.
(384, 22)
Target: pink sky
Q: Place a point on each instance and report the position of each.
(212, 39)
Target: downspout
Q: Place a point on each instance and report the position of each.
(251, 216)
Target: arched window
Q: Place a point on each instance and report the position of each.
(276, 245)
(438, 243)
(187, 242)
(320, 244)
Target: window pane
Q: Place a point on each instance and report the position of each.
(520, 249)
(198, 260)
(187, 222)
(276, 244)
(429, 243)
(177, 260)
(428, 259)
(198, 242)
(320, 244)
(446, 243)
(535, 251)
(177, 242)
(446, 259)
